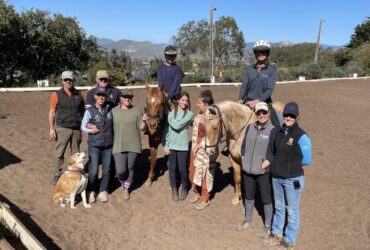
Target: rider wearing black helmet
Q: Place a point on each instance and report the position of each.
(259, 80)
(170, 74)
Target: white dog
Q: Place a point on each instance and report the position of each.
(72, 182)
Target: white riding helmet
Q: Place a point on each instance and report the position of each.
(262, 45)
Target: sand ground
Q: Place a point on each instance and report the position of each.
(335, 207)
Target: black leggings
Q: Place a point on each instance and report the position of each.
(178, 161)
(264, 186)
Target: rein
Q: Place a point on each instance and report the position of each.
(221, 133)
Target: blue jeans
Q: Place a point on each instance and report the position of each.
(95, 154)
(286, 197)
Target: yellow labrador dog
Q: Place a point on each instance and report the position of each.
(72, 182)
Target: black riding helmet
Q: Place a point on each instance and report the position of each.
(170, 50)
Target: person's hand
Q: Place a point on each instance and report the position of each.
(145, 117)
(167, 151)
(240, 101)
(90, 126)
(52, 134)
(95, 130)
(253, 103)
(265, 164)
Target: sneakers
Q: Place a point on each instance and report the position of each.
(286, 245)
(92, 197)
(244, 225)
(183, 193)
(265, 232)
(103, 196)
(273, 240)
(202, 205)
(126, 194)
(195, 198)
(174, 194)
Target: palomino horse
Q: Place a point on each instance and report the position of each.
(157, 111)
(228, 121)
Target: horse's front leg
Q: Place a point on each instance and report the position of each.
(237, 180)
(153, 160)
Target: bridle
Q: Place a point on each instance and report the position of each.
(158, 117)
(220, 133)
(223, 127)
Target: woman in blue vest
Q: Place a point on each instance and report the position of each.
(99, 142)
(292, 151)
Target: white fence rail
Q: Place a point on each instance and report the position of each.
(184, 85)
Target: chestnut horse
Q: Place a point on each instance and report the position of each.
(157, 111)
(227, 121)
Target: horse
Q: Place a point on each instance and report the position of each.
(228, 121)
(157, 111)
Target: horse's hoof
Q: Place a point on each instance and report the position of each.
(235, 201)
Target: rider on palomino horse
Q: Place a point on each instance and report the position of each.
(259, 81)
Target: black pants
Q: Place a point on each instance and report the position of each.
(264, 185)
(177, 161)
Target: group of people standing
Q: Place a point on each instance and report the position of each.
(274, 149)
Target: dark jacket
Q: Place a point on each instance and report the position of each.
(69, 110)
(113, 96)
(287, 162)
(258, 84)
(170, 76)
(104, 122)
(255, 148)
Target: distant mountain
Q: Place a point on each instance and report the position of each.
(104, 41)
(136, 49)
(147, 50)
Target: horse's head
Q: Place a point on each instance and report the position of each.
(157, 106)
(213, 125)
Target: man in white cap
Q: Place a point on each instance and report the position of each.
(65, 115)
(113, 94)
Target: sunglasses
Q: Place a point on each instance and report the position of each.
(127, 96)
(261, 112)
(103, 79)
(263, 52)
(290, 115)
(67, 80)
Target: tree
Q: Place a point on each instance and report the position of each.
(38, 44)
(361, 35)
(229, 41)
(192, 39)
(12, 44)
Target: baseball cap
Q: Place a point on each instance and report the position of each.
(291, 108)
(100, 90)
(102, 74)
(67, 75)
(261, 106)
(127, 92)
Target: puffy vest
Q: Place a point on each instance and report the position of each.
(69, 110)
(288, 155)
(104, 122)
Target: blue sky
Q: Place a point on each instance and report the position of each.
(158, 20)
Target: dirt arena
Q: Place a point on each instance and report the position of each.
(335, 207)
